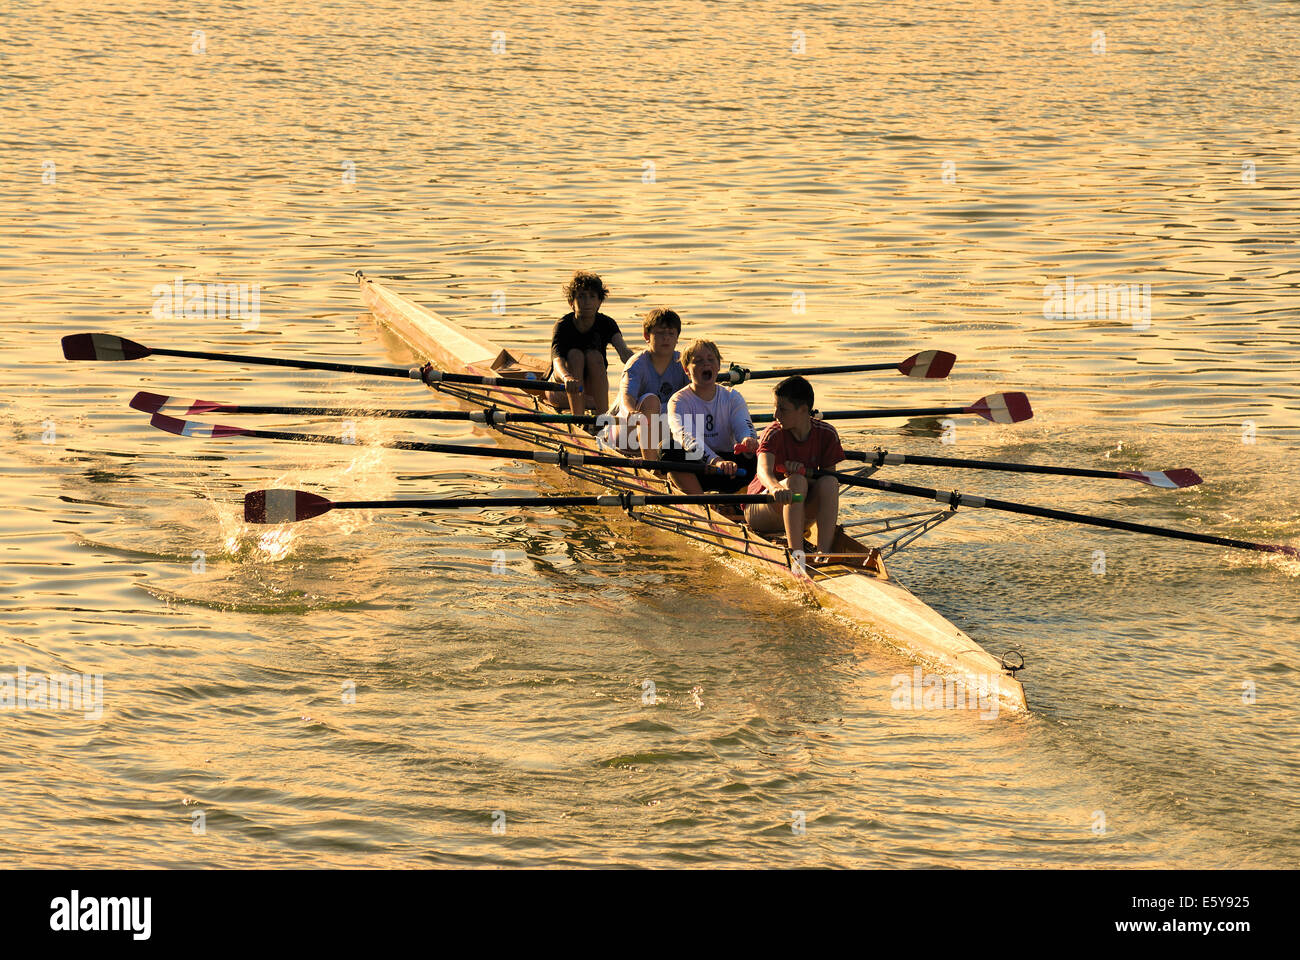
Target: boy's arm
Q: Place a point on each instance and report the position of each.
(624, 351)
(562, 368)
(558, 359)
(767, 470)
(629, 390)
(742, 424)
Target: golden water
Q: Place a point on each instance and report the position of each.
(804, 184)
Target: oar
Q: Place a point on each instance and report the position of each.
(288, 506)
(157, 403)
(106, 346)
(928, 365)
(562, 458)
(998, 407)
(955, 500)
(1166, 479)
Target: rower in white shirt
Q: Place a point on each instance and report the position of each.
(712, 424)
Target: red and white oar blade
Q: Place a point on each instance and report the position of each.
(283, 506)
(157, 403)
(101, 346)
(1165, 479)
(928, 365)
(1002, 407)
(191, 428)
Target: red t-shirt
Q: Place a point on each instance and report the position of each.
(821, 451)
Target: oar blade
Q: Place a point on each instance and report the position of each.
(148, 402)
(101, 346)
(192, 428)
(156, 403)
(1002, 408)
(928, 365)
(1165, 479)
(283, 506)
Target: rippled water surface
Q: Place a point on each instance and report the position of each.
(907, 175)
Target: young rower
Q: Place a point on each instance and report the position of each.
(648, 383)
(801, 445)
(711, 423)
(579, 345)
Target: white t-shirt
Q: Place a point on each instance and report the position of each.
(708, 429)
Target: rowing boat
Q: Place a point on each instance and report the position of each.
(856, 585)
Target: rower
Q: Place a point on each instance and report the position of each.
(799, 445)
(711, 423)
(578, 347)
(647, 384)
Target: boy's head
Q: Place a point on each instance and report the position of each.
(794, 395)
(660, 317)
(701, 348)
(584, 282)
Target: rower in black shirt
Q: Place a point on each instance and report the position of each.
(579, 346)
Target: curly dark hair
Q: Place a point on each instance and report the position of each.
(582, 280)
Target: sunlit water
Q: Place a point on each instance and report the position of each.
(916, 176)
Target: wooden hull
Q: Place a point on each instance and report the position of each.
(861, 590)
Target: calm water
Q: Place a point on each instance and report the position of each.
(915, 177)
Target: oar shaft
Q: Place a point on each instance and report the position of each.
(562, 458)
(900, 412)
(815, 371)
(927, 365)
(881, 458)
(290, 506)
(608, 500)
(285, 362)
(873, 414)
(422, 445)
(409, 374)
(398, 414)
(961, 500)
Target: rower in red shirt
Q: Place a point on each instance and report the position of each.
(801, 445)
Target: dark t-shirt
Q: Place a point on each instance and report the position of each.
(566, 336)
